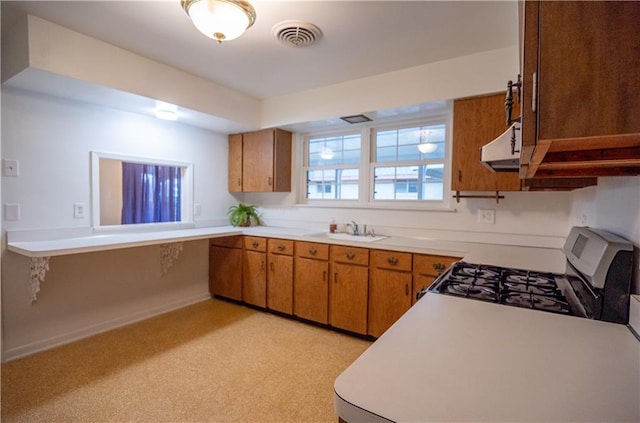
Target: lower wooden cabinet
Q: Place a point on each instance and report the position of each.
(390, 289)
(254, 275)
(349, 288)
(280, 275)
(426, 268)
(225, 267)
(354, 289)
(311, 282)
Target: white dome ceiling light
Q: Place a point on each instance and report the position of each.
(296, 33)
(222, 20)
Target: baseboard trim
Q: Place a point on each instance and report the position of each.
(66, 338)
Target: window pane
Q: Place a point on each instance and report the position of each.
(409, 182)
(336, 150)
(341, 184)
(403, 144)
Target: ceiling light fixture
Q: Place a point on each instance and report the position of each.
(222, 20)
(426, 147)
(166, 111)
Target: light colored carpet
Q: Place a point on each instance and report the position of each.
(210, 362)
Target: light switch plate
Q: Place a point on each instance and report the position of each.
(11, 211)
(79, 210)
(10, 168)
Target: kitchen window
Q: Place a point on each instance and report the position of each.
(380, 166)
(332, 167)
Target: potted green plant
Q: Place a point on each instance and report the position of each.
(244, 215)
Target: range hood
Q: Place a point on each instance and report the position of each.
(503, 153)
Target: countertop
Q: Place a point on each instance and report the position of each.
(31, 244)
(456, 359)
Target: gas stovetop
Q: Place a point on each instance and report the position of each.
(508, 286)
(597, 284)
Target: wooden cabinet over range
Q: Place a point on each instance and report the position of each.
(260, 161)
(581, 90)
(353, 289)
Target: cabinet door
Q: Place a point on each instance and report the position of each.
(280, 283)
(586, 52)
(311, 289)
(257, 161)
(348, 292)
(254, 278)
(580, 104)
(235, 163)
(477, 121)
(225, 272)
(389, 298)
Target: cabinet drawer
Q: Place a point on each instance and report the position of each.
(432, 265)
(392, 260)
(229, 241)
(254, 243)
(312, 250)
(280, 246)
(351, 255)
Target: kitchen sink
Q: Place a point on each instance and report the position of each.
(348, 237)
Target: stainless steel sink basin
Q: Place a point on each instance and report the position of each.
(348, 237)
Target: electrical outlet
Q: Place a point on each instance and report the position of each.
(197, 209)
(78, 210)
(486, 216)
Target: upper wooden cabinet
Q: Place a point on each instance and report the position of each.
(260, 161)
(477, 121)
(581, 92)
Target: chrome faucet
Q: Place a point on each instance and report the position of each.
(354, 228)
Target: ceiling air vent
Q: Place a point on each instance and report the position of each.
(297, 34)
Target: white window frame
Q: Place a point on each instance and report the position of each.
(367, 166)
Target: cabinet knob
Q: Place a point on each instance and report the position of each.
(270, 181)
(406, 289)
(459, 176)
(324, 276)
(438, 267)
(313, 251)
(255, 244)
(350, 255)
(392, 260)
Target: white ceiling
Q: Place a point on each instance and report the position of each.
(360, 38)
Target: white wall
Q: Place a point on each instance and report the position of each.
(52, 139)
(613, 205)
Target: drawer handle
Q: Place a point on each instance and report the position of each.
(335, 277)
(438, 267)
(350, 255)
(281, 247)
(313, 251)
(255, 244)
(392, 260)
(324, 276)
(239, 182)
(269, 181)
(406, 289)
